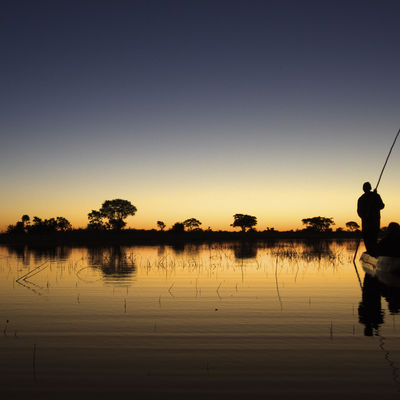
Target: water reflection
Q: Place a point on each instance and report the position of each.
(39, 253)
(161, 250)
(370, 311)
(116, 264)
(321, 251)
(178, 247)
(318, 249)
(287, 310)
(392, 296)
(245, 250)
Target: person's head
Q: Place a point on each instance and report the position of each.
(367, 187)
(393, 227)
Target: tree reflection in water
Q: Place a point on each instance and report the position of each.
(116, 265)
(308, 251)
(178, 248)
(39, 253)
(245, 250)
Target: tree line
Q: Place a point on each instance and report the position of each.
(38, 225)
(113, 213)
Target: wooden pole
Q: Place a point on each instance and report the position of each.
(387, 159)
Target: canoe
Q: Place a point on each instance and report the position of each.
(382, 263)
(386, 269)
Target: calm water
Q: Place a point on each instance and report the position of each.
(287, 320)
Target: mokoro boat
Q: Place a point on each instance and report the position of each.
(386, 269)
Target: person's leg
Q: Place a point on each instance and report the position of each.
(371, 241)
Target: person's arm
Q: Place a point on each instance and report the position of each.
(360, 208)
(381, 204)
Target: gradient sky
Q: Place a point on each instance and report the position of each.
(279, 109)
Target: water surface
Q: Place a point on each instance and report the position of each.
(285, 319)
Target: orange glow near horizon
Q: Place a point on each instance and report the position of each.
(283, 211)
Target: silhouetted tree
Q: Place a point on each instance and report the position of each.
(37, 220)
(20, 226)
(178, 227)
(192, 224)
(63, 224)
(48, 225)
(352, 226)
(17, 228)
(25, 218)
(318, 224)
(115, 211)
(96, 220)
(244, 221)
(161, 225)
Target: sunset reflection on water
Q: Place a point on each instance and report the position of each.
(279, 318)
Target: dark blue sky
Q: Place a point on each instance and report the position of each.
(94, 90)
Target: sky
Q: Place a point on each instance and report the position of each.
(197, 108)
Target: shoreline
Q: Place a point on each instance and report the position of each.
(153, 237)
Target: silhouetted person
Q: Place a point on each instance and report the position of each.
(390, 244)
(370, 312)
(369, 208)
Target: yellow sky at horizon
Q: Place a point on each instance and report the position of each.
(283, 211)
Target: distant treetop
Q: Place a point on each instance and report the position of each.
(115, 211)
(161, 226)
(318, 224)
(40, 225)
(352, 226)
(192, 224)
(244, 221)
(178, 227)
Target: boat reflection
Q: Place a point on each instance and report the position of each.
(370, 311)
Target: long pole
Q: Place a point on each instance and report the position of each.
(379, 179)
(387, 159)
